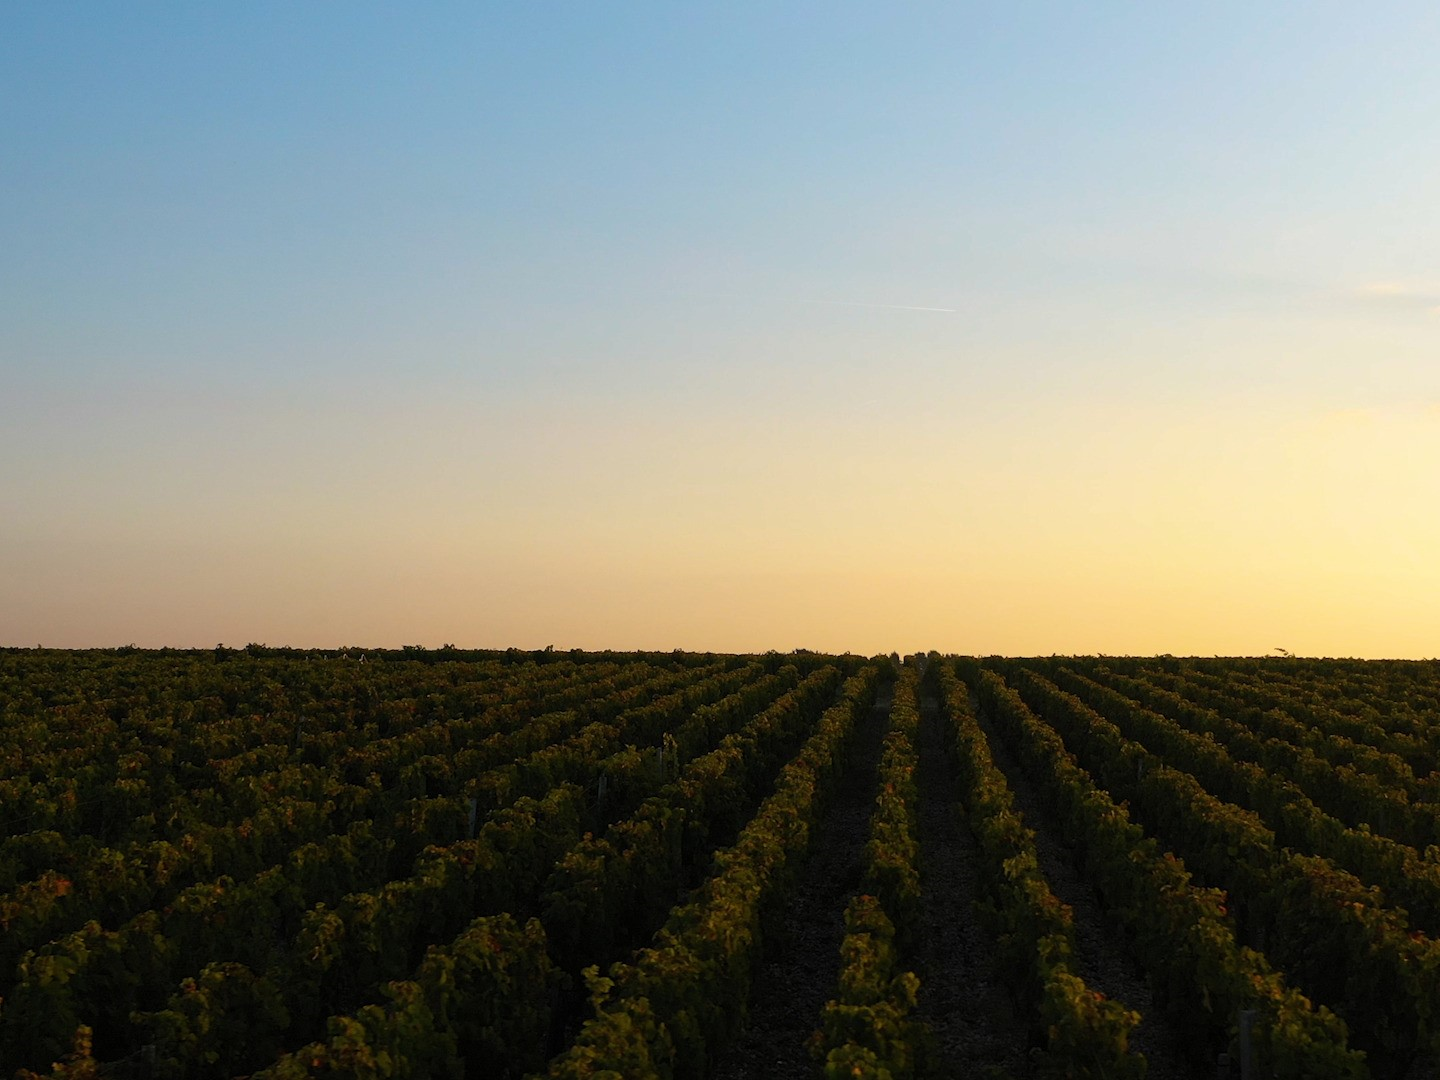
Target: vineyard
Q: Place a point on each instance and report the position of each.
(448, 863)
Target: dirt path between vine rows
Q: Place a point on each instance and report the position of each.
(961, 997)
(794, 984)
(1102, 957)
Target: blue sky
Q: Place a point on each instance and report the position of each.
(495, 307)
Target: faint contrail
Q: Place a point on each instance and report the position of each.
(888, 307)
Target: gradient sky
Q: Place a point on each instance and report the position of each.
(600, 325)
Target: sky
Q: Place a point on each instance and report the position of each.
(988, 328)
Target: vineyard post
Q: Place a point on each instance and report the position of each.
(1247, 1057)
(474, 805)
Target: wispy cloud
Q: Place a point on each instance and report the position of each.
(1424, 294)
(1348, 420)
(887, 307)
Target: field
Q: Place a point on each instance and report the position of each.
(446, 863)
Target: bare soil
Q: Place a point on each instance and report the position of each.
(961, 997)
(801, 975)
(1103, 957)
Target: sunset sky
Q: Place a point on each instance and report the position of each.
(1017, 328)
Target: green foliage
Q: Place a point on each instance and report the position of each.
(477, 1007)
(215, 855)
(1181, 933)
(891, 857)
(665, 1014)
(216, 1023)
(869, 1024)
(1085, 1035)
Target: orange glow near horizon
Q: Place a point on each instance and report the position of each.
(1092, 535)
